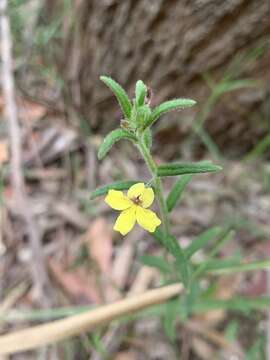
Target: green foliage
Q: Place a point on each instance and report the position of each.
(142, 116)
(231, 330)
(182, 168)
(241, 304)
(226, 84)
(120, 94)
(176, 104)
(217, 266)
(181, 265)
(200, 241)
(45, 34)
(226, 235)
(223, 267)
(140, 92)
(232, 85)
(112, 138)
(96, 342)
(177, 190)
(157, 262)
(170, 318)
(118, 185)
(260, 148)
(257, 350)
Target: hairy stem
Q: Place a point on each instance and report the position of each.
(157, 184)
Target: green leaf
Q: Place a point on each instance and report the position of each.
(142, 115)
(159, 237)
(181, 263)
(157, 262)
(237, 303)
(176, 104)
(257, 350)
(112, 138)
(182, 168)
(172, 245)
(140, 92)
(170, 317)
(231, 331)
(120, 94)
(118, 185)
(223, 268)
(177, 190)
(201, 240)
(225, 236)
(220, 266)
(228, 86)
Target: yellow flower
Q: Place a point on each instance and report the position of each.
(133, 207)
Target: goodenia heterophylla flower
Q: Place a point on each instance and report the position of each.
(133, 208)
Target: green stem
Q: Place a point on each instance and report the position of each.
(157, 184)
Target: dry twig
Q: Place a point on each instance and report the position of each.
(62, 329)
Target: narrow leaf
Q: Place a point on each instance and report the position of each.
(177, 190)
(118, 185)
(182, 168)
(111, 139)
(201, 240)
(180, 258)
(156, 262)
(176, 104)
(120, 94)
(172, 245)
(159, 237)
(235, 268)
(225, 236)
(232, 85)
(236, 303)
(221, 265)
(140, 92)
(142, 115)
(170, 318)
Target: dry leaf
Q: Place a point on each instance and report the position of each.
(145, 276)
(99, 242)
(3, 152)
(125, 355)
(30, 111)
(202, 348)
(76, 283)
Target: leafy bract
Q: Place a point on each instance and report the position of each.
(120, 94)
(112, 138)
(182, 168)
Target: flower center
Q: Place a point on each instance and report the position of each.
(136, 200)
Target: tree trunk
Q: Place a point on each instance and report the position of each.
(169, 44)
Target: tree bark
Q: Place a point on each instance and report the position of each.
(169, 44)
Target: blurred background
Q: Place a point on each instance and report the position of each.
(57, 249)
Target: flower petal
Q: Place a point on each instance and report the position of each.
(147, 197)
(147, 219)
(126, 220)
(135, 190)
(117, 200)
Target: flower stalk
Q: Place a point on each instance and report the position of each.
(152, 167)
